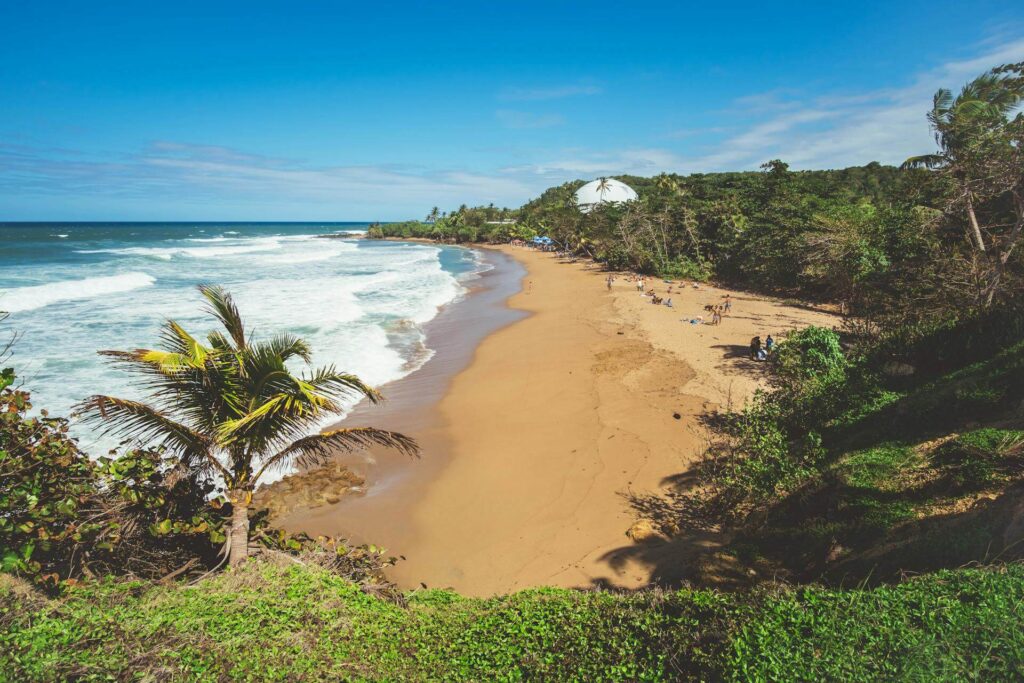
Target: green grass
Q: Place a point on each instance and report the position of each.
(271, 623)
(878, 467)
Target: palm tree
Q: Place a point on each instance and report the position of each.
(667, 184)
(434, 213)
(963, 128)
(232, 407)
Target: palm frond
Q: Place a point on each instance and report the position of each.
(315, 450)
(278, 419)
(222, 306)
(132, 419)
(341, 385)
(284, 346)
(177, 340)
(924, 161)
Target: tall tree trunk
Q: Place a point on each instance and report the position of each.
(1008, 246)
(975, 229)
(239, 527)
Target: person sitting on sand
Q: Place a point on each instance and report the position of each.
(669, 302)
(755, 348)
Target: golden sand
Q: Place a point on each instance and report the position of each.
(558, 418)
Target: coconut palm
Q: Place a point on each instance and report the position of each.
(233, 408)
(964, 126)
(667, 184)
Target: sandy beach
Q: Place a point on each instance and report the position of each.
(533, 445)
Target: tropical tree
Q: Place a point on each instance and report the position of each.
(233, 409)
(980, 134)
(433, 215)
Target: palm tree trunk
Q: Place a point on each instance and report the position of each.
(975, 229)
(239, 532)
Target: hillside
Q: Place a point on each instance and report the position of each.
(267, 622)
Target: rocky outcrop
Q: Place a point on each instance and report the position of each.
(326, 485)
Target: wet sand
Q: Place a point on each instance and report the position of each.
(532, 449)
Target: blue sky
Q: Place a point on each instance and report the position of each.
(340, 111)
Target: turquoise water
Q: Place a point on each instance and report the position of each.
(75, 288)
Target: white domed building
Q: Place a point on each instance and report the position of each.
(603, 191)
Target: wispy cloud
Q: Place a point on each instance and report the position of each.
(524, 119)
(549, 93)
(198, 174)
(807, 131)
(844, 129)
(579, 163)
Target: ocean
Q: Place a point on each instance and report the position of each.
(73, 289)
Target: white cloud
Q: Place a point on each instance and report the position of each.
(577, 163)
(204, 174)
(834, 131)
(827, 131)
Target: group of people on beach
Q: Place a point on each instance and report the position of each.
(719, 310)
(759, 351)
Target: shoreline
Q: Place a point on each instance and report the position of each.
(361, 489)
(549, 438)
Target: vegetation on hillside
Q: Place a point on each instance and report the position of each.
(904, 456)
(266, 622)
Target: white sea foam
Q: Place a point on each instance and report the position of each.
(359, 305)
(37, 296)
(211, 252)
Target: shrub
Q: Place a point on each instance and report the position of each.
(63, 515)
(686, 268)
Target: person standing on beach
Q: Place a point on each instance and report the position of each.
(610, 280)
(728, 303)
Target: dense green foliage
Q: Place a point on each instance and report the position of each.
(269, 623)
(902, 457)
(63, 515)
(65, 518)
